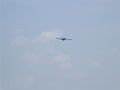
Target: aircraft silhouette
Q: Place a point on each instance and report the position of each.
(63, 38)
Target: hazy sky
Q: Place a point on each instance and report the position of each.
(32, 59)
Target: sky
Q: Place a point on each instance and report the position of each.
(32, 59)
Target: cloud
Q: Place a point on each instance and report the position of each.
(29, 79)
(66, 65)
(63, 61)
(43, 37)
(61, 58)
(34, 58)
(24, 80)
(95, 64)
(46, 37)
(115, 50)
(20, 41)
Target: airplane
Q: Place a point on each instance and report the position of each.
(63, 38)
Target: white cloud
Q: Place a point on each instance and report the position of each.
(34, 58)
(115, 50)
(30, 57)
(61, 58)
(25, 80)
(46, 36)
(66, 65)
(95, 64)
(43, 37)
(20, 41)
(30, 79)
(19, 30)
(63, 61)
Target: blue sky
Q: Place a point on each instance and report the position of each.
(32, 59)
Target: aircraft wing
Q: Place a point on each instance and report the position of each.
(58, 38)
(68, 39)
